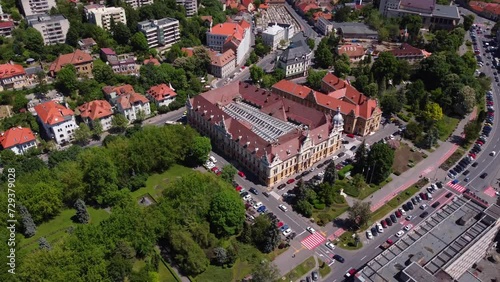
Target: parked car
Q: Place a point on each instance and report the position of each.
(290, 181)
(397, 213)
(393, 218)
(374, 231)
(254, 191)
(409, 205)
(410, 217)
(400, 233)
(435, 205)
(408, 227)
(339, 258)
(310, 230)
(314, 276)
(483, 175)
(424, 214)
(380, 225)
(330, 245)
(369, 234)
(265, 194)
(240, 173)
(388, 221)
(449, 195)
(423, 206)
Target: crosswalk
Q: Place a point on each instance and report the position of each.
(456, 187)
(313, 240)
(490, 192)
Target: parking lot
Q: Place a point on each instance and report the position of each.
(276, 14)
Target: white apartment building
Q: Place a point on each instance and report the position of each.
(191, 6)
(273, 35)
(52, 28)
(131, 105)
(138, 3)
(58, 122)
(101, 16)
(33, 7)
(18, 139)
(230, 35)
(163, 32)
(324, 26)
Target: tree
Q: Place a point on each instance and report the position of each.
(279, 74)
(66, 80)
(341, 68)
(466, 100)
(121, 33)
(385, 67)
(304, 208)
(139, 42)
(371, 90)
(468, 21)
(359, 214)
(200, 148)
(330, 174)
(83, 133)
(314, 78)
(82, 215)
(311, 43)
(34, 41)
(433, 112)
(413, 130)
(380, 160)
(256, 73)
(100, 173)
(227, 213)
(431, 137)
(220, 256)
(391, 104)
(119, 122)
(97, 129)
(228, 173)
(471, 131)
(29, 227)
(103, 73)
(265, 272)
(43, 244)
(119, 268)
(360, 159)
(342, 14)
(323, 55)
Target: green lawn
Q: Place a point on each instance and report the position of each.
(323, 217)
(156, 183)
(165, 274)
(345, 241)
(446, 165)
(55, 229)
(301, 269)
(370, 189)
(325, 270)
(446, 126)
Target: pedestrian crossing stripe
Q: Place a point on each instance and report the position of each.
(456, 187)
(313, 240)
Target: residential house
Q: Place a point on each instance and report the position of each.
(53, 28)
(107, 54)
(58, 122)
(6, 28)
(295, 60)
(151, 60)
(86, 44)
(125, 66)
(102, 16)
(222, 64)
(484, 9)
(34, 7)
(231, 35)
(138, 3)
(272, 137)
(97, 111)
(163, 32)
(12, 76)
(273, 36)
(361, 114)
(127, 102)
(191, 6)
(82, 61)
(408, 53)
(162, 94)
(18, 139)
(355, 52)
(324, 26)
(432, 14)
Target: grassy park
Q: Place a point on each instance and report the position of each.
(156, 183)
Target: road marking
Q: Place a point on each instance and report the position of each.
(301, 233)
(363, 258)
(377, 247)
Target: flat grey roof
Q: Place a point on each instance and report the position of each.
(446, 11)
(354, 28)
(44, 18)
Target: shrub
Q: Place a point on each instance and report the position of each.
(323, 219)
(404, 117)
(319, 206)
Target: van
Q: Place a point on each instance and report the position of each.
(212, 159)
(429, 196)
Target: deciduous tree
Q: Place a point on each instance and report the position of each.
(119, 122)
(200, 148)
(139, 42)
(83, 133)
(228, 173)
(314, 78)
(226, 213)
(66, 80)
(265, 272)
(43, 244)
(433, 112)
(380, 160)
(359, 214)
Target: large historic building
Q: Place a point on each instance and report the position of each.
(361, 114)
(271, 136)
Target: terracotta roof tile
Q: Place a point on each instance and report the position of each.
(189, 51)
(52, 113)
(8, 70)
(108, 51)
(406, 50)
(8, 24)
(161, 92)
(75, 58)
(151, 60)
(351, 50)
(126, 101)
(221, 60)
(95, 109)
(120, 90)
(16, 136)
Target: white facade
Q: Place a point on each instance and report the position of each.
(101, 16)
(61, 132)
(217, 40)
(273, 35)
(52, 28)
(132, 112)
(138, 3)
(191, 6)
(324, 26)
(23, 148)
(106, 123)
(244, 47)
(162, 32)
(33, 7)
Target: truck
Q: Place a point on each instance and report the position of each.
(387, 244)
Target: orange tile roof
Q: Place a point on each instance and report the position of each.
(95, 109)
(326, 16)
(152, 60)
(8, 70)
(229, 29)
(127, 100)
(264, 6)
(233, 4)
(120, 90)
(221, 60)
(52, 113)
(406, 50)
(75, 58)
(492, 8)
(161, 92)
(16, 136)
(295, 89)
(207, 18)
(189, 51)
(305, 7)
(351, 50)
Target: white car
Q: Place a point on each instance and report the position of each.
(380, 229)
(257, 205)
(247, 198)
(287, 232)
(311, 230)
(283, 208)
(410, 217)
(321, 174)
(423, 206)
(402, 211)
(335, 157)
(330, 245)
(212, 159)
(369, 234)
(408, 227)
(400, 233)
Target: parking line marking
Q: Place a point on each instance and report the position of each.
(363, 258)
(301, 233)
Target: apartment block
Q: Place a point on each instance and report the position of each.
(33, 7)
(162, 32)
(6, 28)
(273, 36)
(191, 6)
(52, 28)
(138, 3)
(101, 16)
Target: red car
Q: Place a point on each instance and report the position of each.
(240, 173)
(290, 181)
(279, 224)
(351, 272)
(350, 135)
(214, 169)
(490, 103)
(480, 142)
(472, 155)
(384, 224)
(238, 188)
(398, 214)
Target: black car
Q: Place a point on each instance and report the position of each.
(321, 165)
(449, 195)
(405, 207)
(435, 205)
(281, 186)
(345, 142)
(440, 184)
(410, 205)
(475, 164)
(393, 218)
(414, 200)
(466, 172)
(254, 191)
(374, 231)
(353, 148)
(339, 258)
(305, 173)
(483, 176)
(424, 214)
(388, 221)
(328, 161)
(244, 194)
(265, 194)
(341, 154)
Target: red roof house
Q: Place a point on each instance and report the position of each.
(162, 94)
(18, 139)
